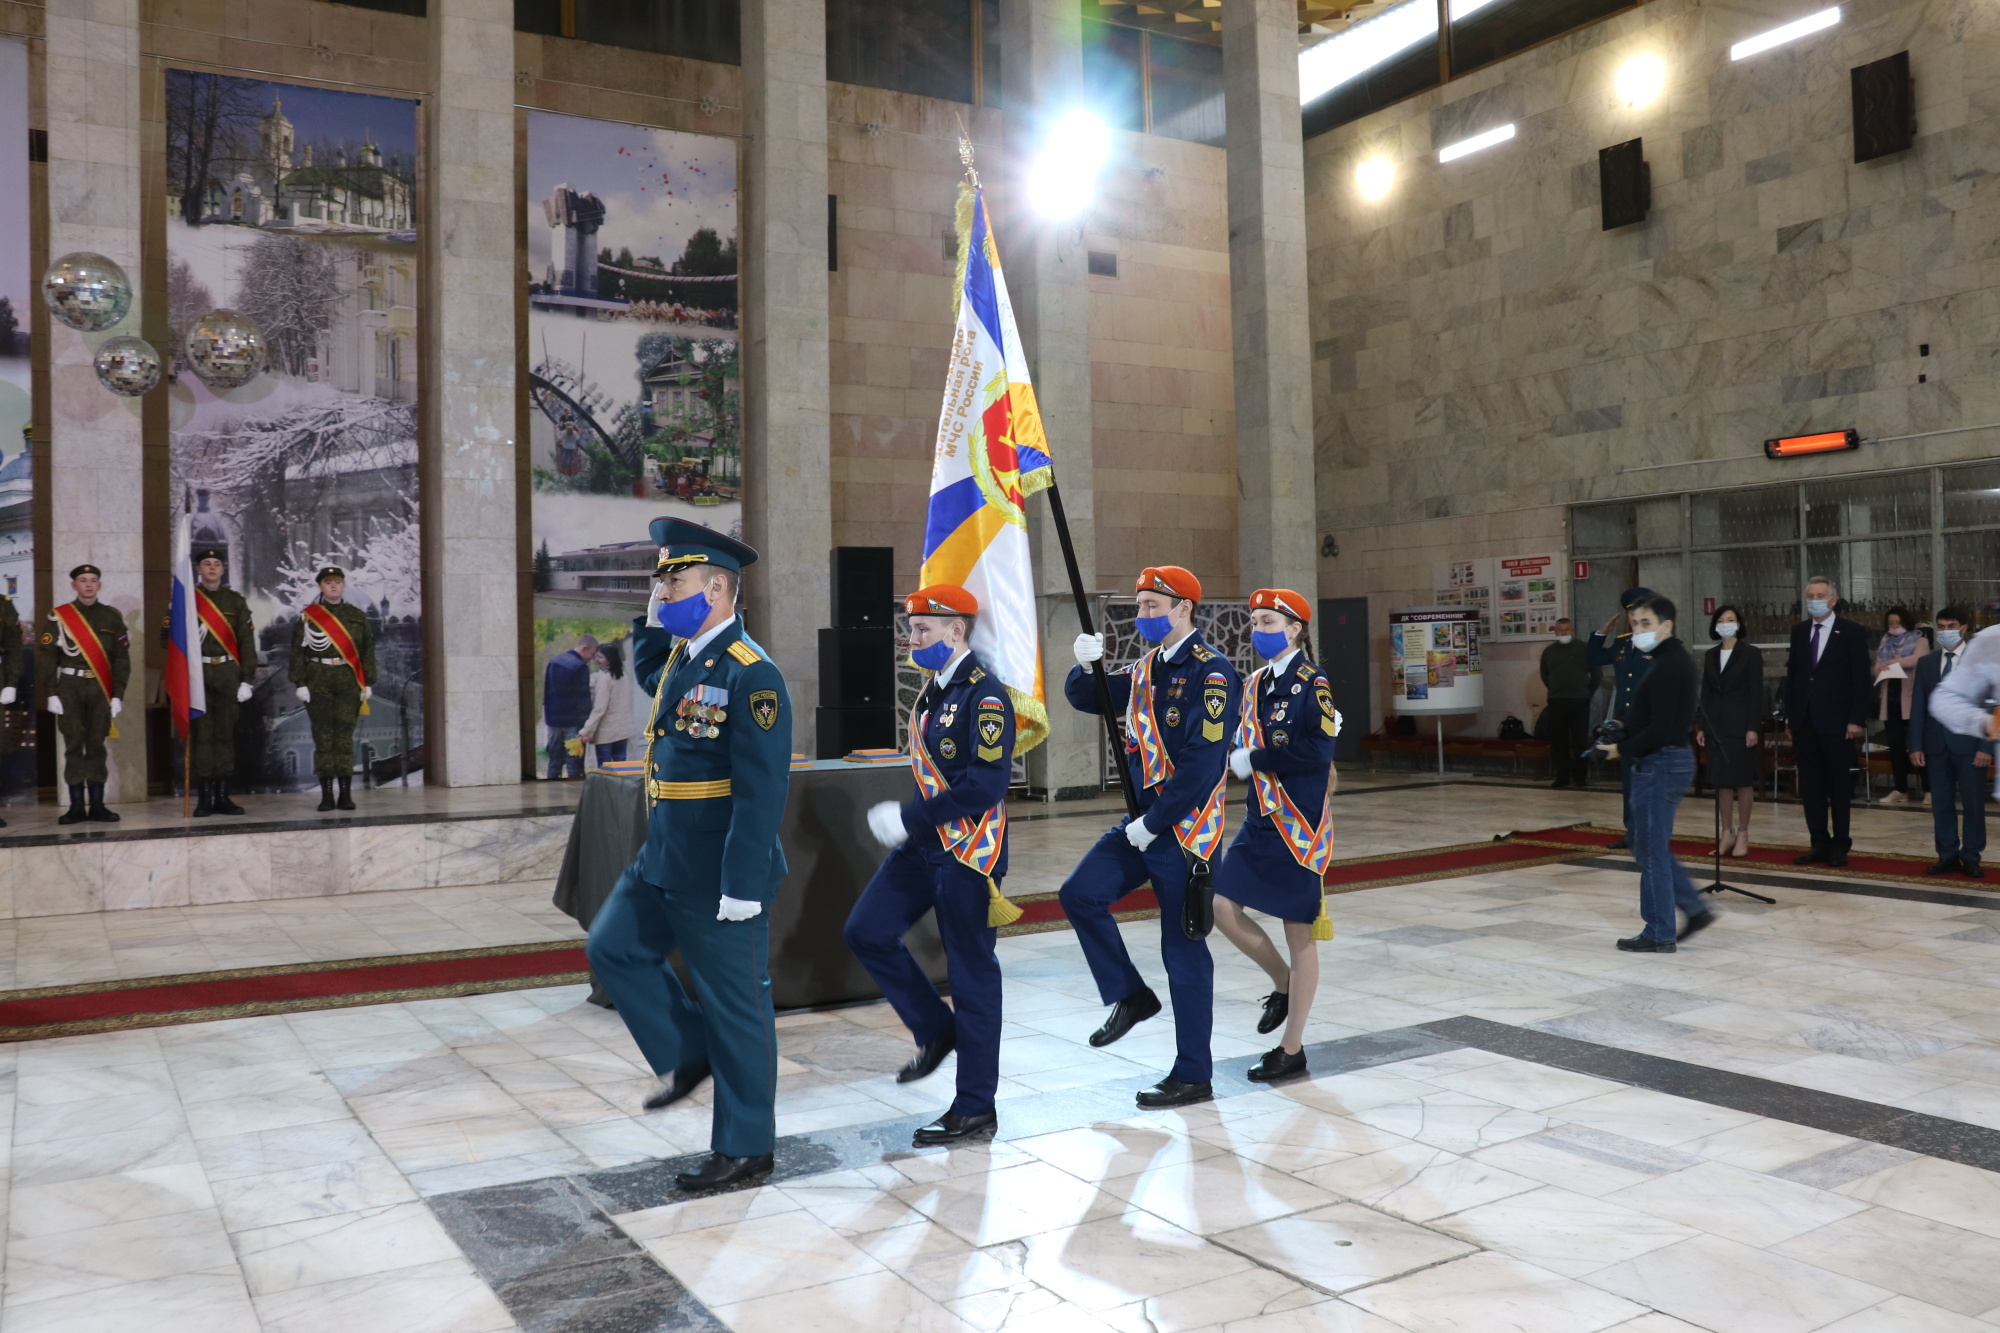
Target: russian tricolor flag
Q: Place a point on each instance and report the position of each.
(187, 694)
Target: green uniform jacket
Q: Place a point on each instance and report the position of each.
(235, 609)
(55, 649)
(303, 666)
(13, 653)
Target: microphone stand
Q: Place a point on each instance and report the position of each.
(1718, 887)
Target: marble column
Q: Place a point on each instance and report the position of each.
(1275, 515)
(472, 567)
(1041, 58)
(96, 476)
(788, 499)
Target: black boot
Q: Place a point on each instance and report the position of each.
(346, 801)
(326, 793)
(98, 814)
(203, 807)
(223, 805)
(76, 813)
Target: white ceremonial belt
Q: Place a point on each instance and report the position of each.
(85, 672)
(328, 661)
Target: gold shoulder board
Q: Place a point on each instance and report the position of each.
(744, 653)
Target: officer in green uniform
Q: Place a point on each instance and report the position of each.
(328, 686)
(12, 654)
(227, 681)
(718, 762)
(84, 707)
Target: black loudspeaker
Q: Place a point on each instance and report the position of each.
(845, 729)
(864, 587)
(1624, 184)
(1885, 107)
(857, 668)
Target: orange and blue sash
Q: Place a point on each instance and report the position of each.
(977, 843)
(1311, 847)
(1201, 832)
(217, 625)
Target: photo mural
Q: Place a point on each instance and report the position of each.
(17, 476)
(632, 386)
(296, 207)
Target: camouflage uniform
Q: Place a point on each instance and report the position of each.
(335, 705)
(62, 671)
(214, 736)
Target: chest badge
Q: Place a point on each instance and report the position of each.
(1173, 716)
(764, 708)
(948, 748)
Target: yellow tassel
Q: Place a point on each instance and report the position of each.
(1322, 924)
(364, 708)
(962, 220)
(999, 911)
(112, 734)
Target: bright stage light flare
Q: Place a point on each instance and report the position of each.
(1451, 152)
(1375, 178)
(1640, 80)
(1063, 179)
(1791, 32)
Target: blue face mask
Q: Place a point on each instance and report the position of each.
(1154, 628)
(1949, 638)
(1270, 646)
(931, 657)
(683, 619)
(1816, 607)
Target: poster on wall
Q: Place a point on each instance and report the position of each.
(296, 206)
(634, 397)
(17, 477)
(1434, 664)
(1517, 597)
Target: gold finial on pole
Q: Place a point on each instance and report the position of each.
(965, 150)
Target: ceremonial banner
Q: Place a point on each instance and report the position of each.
(187, 688)
(991, 455)
(17, 475)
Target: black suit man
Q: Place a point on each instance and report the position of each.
(1958, 765)
(1827, 693)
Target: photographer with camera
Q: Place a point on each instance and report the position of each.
(1654, 750)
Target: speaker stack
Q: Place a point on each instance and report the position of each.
(857, 656)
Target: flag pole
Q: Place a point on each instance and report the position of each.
(187, 741)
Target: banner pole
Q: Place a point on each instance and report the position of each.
(1104, 705)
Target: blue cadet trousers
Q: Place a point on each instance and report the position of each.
(1110, 870)
(728, 1024)
(911, 881)
(1658, 783)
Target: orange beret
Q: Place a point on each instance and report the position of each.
(1172, 580)
(941, 599)
(1282, 600)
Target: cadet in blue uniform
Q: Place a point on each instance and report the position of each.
(1177, 741)
(1277, 864)
(949, 851)
(718, 751)
(1628, 667)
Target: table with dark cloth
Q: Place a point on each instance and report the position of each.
(830, 854)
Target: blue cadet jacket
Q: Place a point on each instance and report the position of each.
(1628, 667)
(968, 728)
(720, 739)
(1295, 708)
(1194, 702)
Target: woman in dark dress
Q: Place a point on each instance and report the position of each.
(1277, 865)
(1726, 725)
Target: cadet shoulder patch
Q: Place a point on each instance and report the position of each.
(1202, 653)
(764, 708)
(976, 676)
(747, 655)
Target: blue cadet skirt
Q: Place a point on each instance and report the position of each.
(1261, 873)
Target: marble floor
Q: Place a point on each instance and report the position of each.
(1792, 1124)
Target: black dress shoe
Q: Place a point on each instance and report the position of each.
(1277, 1066)
(98, 813)
(1836, 856)
(1808, 857)
(1128, 1013)
(1944, 865)
(952, 1127)
(1697, 923)
(1971, 869)
(720, 1171)
(1623, 844)
(1277, 1006)
(676, 1086)
(223, 805)
(1646, 944)
(928, 1058)
(1172, 1092)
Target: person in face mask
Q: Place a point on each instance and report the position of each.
(1728, 726)
(1178, 701)
(1655, 746)
(1960, 765)
(1895, 672)
(1277, 864)
(1613, 648)
(1826, 695)
(948, 853)
(1570, 680)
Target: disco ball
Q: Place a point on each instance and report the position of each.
(87, 292)
(127, 366)
(226, 348)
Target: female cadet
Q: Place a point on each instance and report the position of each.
(1284, 749)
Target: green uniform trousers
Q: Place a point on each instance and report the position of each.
(334, 708)
(214, 732)
(84, 723)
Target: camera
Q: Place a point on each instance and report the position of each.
(1609, 732)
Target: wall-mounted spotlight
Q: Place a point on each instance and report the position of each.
(1640, 80)
(1791, 32)
(1064, 178)
(1451, 152)
(1375, 178)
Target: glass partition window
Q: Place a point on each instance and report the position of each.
(1727, 518)
(1875, 576)
(1857, 507)
(1972, 496)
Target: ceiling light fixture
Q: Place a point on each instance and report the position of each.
(1350, 54)
(1375, 178)
(1064, 178)
(1478, 141)
(1640, 80)
(1791, 32)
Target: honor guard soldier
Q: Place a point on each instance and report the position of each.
(948, 853)
(718, 763)
(12, 654)
(1277, 864)
(1179, 702)
(333, 659)
(228, 661)
(84, 662)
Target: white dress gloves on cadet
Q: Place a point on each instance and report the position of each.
(55, 705)
(885, 821)
(117, 707)
(736, 909)
(305, 695)
(1139, 835)
(1239, 763)
(367, 693)
(1088, 648)
(653, 602)
(243, 692)
(6, 695)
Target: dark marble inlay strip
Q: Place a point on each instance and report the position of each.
(1821, 884)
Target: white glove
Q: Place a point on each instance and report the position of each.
(367, 693)
(55, 705)
(1088, 648)
(243, 692)
(736, 909)
(653, 603)
(1139, 835)
(117, 707)
(305, 695)
(1239, 763)
(885, 821)
(1336, 721)
(6, 695)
